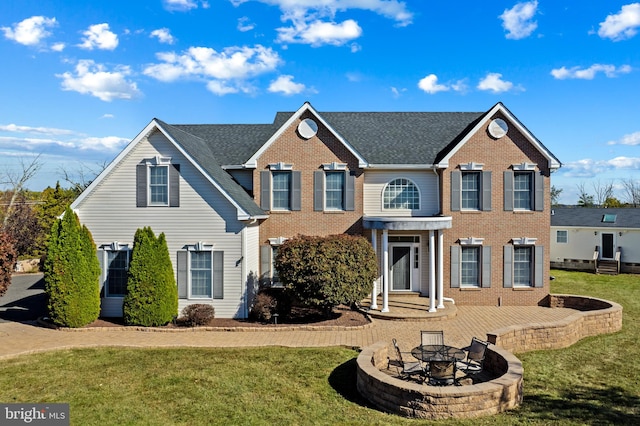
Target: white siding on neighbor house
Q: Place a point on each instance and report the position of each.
(111, 214)
(376, 180)
(581, 243)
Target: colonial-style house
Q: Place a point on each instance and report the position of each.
(602, 240)
(456, 204)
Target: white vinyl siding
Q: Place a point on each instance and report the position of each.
(376, 181)
(110, 213)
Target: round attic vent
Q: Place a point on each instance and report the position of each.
(498, 128)
(307, 128)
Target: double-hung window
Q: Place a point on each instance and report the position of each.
(281, 191)
(401, 193)
(200, 272)
(523, 188)
(471, 188)
(114, 260)
(523, 264)
(562, 236)
(334, 198)
(280, 188)
(470, 264)
(470, 191)
(157, 183)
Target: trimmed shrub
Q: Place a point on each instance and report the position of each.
(327, 271)
(8, 258)
(263, 308)
(198, 314)
(152, 294)
(72, 273)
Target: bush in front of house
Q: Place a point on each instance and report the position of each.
(152, 294)
(327, 271)
(198, 314)
(8, 257)
(71, 273)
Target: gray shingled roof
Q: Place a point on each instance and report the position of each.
(205, 155)
(588, 217)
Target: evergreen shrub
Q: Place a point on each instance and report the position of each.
(152, 294)
(8, 258)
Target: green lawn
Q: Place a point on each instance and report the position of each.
(594, 382)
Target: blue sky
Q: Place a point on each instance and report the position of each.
(80, 79)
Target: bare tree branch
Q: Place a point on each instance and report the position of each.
(632, 191)
(602, 191)
(17, 181)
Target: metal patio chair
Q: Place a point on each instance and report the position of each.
(432, 338)
(442, 372)
(474, 361)
(406, 369)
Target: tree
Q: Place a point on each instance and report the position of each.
(54, 201)
(17, 181)
(72, 273)
(584, 199)
(8, 257)
(632, 191)
(152, 294)
(555, 195)
(23, 227)
(611, 202)
(602, 191)
(327, 271)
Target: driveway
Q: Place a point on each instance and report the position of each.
(25, 299)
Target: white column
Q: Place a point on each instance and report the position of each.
(385, 271)
(374, 292)
(432, 273)
(440, 265)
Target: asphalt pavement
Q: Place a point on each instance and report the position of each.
(25, 299)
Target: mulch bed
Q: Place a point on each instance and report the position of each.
(342, 316)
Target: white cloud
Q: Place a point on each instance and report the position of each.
(110, 143)
(632, 139)
(589, 73)
(397, 92)
(284, 84)
(518, 22)
(108, 116)
(430, 85)
(93, 79)
(319, 33)
(587, 167)
(493, 82)
(183, 5)
(244, 24)
(622, 25)
(31, 31)
(163, 35)
(98, 36)
(14, 128)
(31, 144)
(228, 69)
(58, 47)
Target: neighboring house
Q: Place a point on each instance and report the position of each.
(604, 240)
(455, 204)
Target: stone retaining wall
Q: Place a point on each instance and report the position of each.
(595, 316)
(411, 399)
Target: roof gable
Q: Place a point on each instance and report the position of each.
(199, 154)
(553, 162)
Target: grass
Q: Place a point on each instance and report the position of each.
(594, 382)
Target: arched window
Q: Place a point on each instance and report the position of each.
(401, 193)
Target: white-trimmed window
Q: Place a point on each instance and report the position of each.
(281, 191)
(471, 188)
(268, 253)
(401, 193)
(114, 260)
(523, 188)
(523, 263)
(334, 190)
(562, 236)
(470, 264)
(200, 272)
(280, 188)
(157, 183)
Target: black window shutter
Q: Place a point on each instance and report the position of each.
(349, 191)
(455, 266)
(508, 190)
(456, 186)
(508, 267)
(174, 185)
(182, 260)
(538, 199)
(318, 190)
(141, 185)
(486, 267)
(265, 190)
(486, 191)
(296, 196)
(218, 275)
